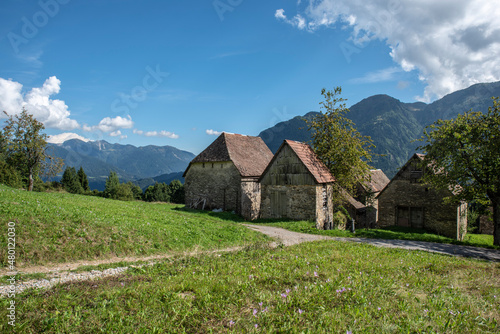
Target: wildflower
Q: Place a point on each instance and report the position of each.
(231, 323)
(264, 310)
(328, 280)
(250, 276)
(348, 332)
(255, 312)
(284, 295)
(301, 311)
(315, 274)
(378, 308)
(407, 284)
(287, 291)
(260, 304)
(122, 284)
(256, 326)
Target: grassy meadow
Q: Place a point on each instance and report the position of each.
(61, 227)
(320, 287)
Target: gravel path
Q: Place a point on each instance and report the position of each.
(291, 238)
(60, 273)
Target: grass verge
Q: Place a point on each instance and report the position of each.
(320, 287)
(60, 227)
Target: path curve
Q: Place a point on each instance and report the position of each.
(290, 238)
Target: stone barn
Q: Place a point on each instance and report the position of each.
(297, 185)
(405, 201)
(366, 195)
(225, 175)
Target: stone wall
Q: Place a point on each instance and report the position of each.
(324, 206)
(438, 217)
(214, 185)
(291, 202)
(250, 199)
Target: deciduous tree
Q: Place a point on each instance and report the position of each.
(338, 144)
(465, 154)
(25, 147)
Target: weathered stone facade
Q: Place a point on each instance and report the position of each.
(213, 186)
(225, 175)
(405, 201)
(250, 198)
(290, 190)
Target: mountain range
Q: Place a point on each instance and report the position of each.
(131, 163)
(394, 127)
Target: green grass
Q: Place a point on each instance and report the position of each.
(320, 287)
(60, 227)
(393, 232)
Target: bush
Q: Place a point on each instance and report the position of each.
(10, 176)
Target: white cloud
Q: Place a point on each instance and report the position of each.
(116, 133)
(51, 112)
(163, 133)
(61, 138)
(297, 21)
(212, 132)
(112, 125)
(451, 43)
(386, 74)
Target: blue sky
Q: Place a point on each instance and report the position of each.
(178, 72)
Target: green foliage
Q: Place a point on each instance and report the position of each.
(71, 182)
(344, 151)
(61, 227)
(176, 192)
(315, 287)
(83, 180)
(161, 192)
(112, 184)
(339, 220)
(24, 147)
(463, 155)
(9, 175)
(124, 192)
(136, 190)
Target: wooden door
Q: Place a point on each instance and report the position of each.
(417, 217)
(279, 203)
(403, 216)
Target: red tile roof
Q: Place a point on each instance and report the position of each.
(249, 154)
(306, 154)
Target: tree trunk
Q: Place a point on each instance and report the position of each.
(495, 201)
(30, 186)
